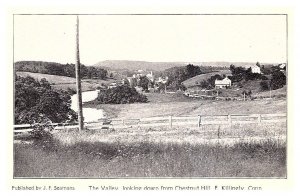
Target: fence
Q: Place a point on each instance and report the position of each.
(171, 121)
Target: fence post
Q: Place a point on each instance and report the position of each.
(170, 121)
(229, 119)
(259, 118)
(199, 120)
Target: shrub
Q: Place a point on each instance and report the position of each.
(41, 133)
(264, 85)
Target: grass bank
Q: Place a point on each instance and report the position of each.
(109, 160)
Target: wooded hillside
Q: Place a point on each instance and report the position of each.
(52, 68)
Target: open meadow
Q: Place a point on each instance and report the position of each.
(179, 105)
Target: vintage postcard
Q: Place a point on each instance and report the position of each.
(150, 101)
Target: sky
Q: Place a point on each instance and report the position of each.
(156, 38)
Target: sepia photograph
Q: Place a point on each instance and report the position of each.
(150, 96)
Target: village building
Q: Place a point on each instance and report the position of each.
(112, 85)
(163, 80)
(226, 82)
(282, 66)
(115, 84)
(132, 81)
(150, 76)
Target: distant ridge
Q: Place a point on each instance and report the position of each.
(160, 66)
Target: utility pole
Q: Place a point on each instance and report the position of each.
(78, 82)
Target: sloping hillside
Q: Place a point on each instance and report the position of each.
(63, 82)
(192, 81)
(137, 65)
(59, 69)
(52, 79)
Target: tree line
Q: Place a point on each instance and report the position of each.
(90, 72)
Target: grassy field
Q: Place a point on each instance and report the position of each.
(157, 153)
(179, 105)
(63, 82)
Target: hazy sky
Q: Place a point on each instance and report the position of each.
(151, 38)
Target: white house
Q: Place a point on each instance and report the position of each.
(226, 82)
(254, 68)
(282, 66)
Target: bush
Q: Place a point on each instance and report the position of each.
(41, 133)
(264, 85)
(120, 95)
(204, 84)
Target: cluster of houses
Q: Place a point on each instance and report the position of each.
(154, 84)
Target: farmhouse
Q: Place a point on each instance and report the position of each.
(254, 68)
(226, 82)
